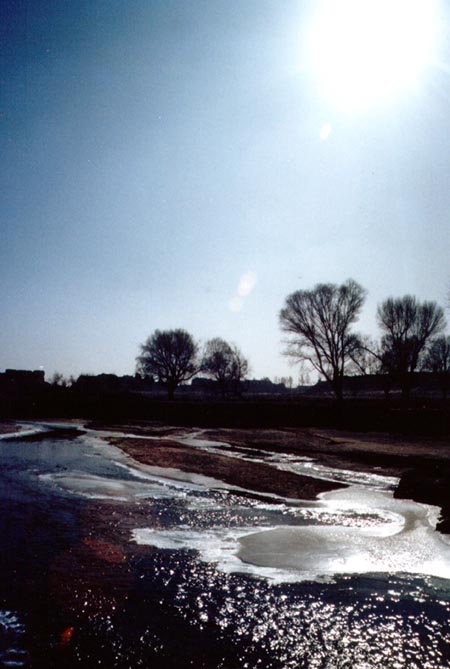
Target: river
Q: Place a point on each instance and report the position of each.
(108, 563)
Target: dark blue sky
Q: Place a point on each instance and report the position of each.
(162, 166)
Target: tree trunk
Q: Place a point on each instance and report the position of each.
(338, 387)
(406, 386)
(444, 383)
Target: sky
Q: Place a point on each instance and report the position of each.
(190, 163)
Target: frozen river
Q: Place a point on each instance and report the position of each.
(206, 575)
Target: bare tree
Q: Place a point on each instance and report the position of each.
(216, 362)
(366, 360)
(59, 380)
(240, 368)
(224, 363)
(319, 321)
(437, 360)
(408, 327)
(170, 356)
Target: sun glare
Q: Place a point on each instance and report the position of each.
(364, 52)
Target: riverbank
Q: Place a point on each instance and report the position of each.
(371, 452)
(364, 451)
(395, 455)
(425, 416)
(252, 476)
(423, 463)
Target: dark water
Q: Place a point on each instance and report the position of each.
(166, 608)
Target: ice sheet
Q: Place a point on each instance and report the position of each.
(405, 542)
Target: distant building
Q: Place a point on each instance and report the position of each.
(372, 385)
(22, 381)
(110, 383)
(252, 386)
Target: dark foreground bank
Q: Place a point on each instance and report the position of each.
(424, 416)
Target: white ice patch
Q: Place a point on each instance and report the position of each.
(24, 431)
(308, 467)
(218, 546)
(295, 464)
(100, 487)
(175, 476)
(405, 542)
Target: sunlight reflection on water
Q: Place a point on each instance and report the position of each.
(12, 632)
(385, 622)
(254, 613)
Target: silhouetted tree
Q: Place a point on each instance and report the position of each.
(239, 370)
(304, 378)
(224, 363)
(437, 360)
(367, 358)
(170, 356)
(216, 362)
(58, 380)
(287, 382)
(320, 320)
(408, 327)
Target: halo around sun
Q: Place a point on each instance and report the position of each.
(365, 52)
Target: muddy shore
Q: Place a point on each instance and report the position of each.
(382, 453)
(252, 476)
(368, 452)
(422, 465)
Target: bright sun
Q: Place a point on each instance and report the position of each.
(364, 52)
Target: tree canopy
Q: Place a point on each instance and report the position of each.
(318, 322)
(438, 355)
(171, 356)
(224, 363)
(408, 327)
(437, 360)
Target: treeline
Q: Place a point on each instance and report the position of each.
(111, 399)
(319, 324)
(101, 384)
(173, 357)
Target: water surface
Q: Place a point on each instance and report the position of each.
(107, 563)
